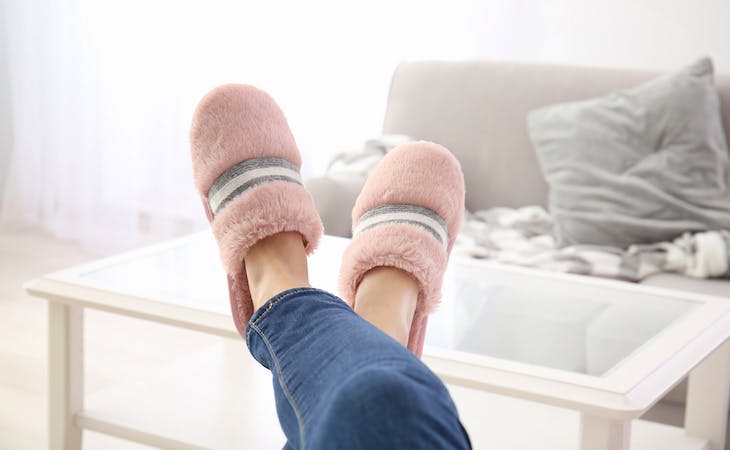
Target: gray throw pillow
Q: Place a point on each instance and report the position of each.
(640, 165)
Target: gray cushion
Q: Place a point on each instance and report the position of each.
(639, 165)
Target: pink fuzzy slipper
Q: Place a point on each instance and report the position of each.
(246, 167)
(407, 216)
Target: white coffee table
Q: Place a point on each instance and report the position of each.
(607, 349)
(541, 339)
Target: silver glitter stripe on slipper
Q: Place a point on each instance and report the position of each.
(248, 174)
(416, 215)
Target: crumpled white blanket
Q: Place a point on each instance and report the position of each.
(523, 237)
(363, 159)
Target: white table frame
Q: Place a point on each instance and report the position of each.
(608, 404)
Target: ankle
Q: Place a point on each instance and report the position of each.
(387, 298)
(276, 264)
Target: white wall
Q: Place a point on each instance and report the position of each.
(137, 68)
(327, 63)
(5, 124)
(650, 34)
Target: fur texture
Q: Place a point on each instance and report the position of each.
(418, 173)
(268, 209)
(234, 123)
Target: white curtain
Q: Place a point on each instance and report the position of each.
(102, 94)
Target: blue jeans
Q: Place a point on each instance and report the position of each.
(341, 383)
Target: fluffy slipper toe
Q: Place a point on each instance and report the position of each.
(407, 216)
(246, 168)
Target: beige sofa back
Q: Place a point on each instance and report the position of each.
(478, 110)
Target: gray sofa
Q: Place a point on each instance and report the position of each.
(478, 109)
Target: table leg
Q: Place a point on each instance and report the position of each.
(65, 375)
(708, 392)
(599, 433)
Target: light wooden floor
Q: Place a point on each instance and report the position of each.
(117, 349)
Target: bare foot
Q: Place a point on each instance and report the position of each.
(387, 297)
(276, 264)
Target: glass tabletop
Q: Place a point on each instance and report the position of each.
(493, 312)
(191, 274)
(546, 322)
(187, 275)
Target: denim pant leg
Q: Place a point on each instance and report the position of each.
(340, 382)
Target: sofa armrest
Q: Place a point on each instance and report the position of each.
(334, 196)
